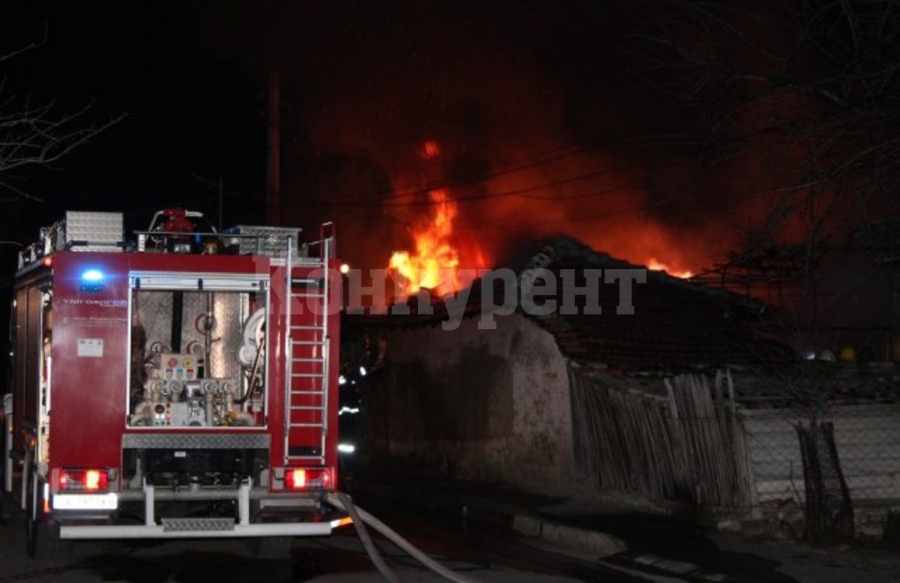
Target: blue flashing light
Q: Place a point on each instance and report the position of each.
(92, 276)
(92, 280)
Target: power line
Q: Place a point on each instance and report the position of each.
(516, 192)
(561, 153)
(566, 221)
(535, 224)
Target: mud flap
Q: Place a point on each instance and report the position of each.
(42, 538)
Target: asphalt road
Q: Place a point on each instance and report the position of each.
(479, 555)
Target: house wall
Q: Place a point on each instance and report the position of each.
(477, 404)
(866, 437)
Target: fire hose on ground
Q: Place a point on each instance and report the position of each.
(361, 518)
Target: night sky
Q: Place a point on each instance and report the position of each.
(529, 96)
(187, 110)
(652, 131)
(549, 118)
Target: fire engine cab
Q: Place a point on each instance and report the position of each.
(180, 385)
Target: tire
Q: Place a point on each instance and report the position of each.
(271, 547)
(42, 535)
(6, 508)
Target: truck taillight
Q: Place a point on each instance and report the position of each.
(83, 481)
(307, 478)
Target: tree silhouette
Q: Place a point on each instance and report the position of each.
(37, 135)
(799, 103)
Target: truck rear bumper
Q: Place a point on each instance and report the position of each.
(188, 527)
(98, 532)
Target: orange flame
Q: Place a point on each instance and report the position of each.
(654, 265)
(435, 263)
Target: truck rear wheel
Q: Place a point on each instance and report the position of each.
(8, 508)
(41, 535)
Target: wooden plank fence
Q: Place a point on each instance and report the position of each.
(688, 446)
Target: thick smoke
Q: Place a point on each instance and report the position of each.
(527, 150)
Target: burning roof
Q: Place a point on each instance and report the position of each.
(676, 324)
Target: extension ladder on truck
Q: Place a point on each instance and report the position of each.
(306, 378)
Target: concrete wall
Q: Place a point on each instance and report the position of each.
(477, 404)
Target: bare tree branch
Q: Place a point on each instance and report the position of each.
(33, 45)
(37, 136)
(813, 79)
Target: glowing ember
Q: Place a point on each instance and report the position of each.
(655, 265)
(435, 263)
(430, 150)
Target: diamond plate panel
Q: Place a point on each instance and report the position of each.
(197, 524)
(194, 441)
(270, 241)
(102, 231)
(154, 312)
(229, 310)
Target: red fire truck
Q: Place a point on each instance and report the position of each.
(179, 386)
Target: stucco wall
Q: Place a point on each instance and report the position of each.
(478, 404)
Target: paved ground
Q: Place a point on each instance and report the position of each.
(655, 547)
(476, 555)
(336, 559)
(660, 547)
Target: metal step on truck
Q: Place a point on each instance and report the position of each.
(179, 385)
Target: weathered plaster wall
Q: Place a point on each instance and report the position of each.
(479, 404)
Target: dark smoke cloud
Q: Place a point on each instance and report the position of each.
(499, 86)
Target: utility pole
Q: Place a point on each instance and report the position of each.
(273, 176)
(221, 197)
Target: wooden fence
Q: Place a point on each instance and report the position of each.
(686, 446)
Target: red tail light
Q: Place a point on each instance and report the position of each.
(295, 479)
(308, 478)
(83, 481)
